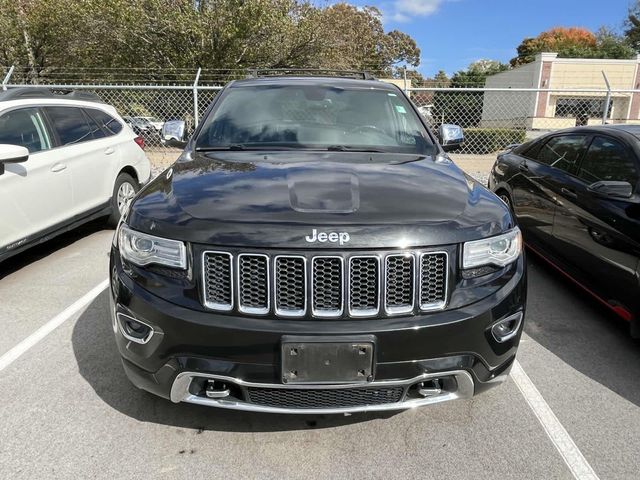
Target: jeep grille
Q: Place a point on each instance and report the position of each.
(325, 286)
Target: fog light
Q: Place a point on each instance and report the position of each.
(507, 328)
(133, 329)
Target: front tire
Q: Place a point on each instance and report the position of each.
(504, 196)
(124, 190)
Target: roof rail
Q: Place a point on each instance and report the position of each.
(311, 72)
(44, 92)
(25, 92)
(82, 95)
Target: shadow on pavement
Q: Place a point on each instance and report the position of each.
(45, 249)
(99, 364)
(584, 334)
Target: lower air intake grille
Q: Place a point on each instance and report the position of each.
(324, 398)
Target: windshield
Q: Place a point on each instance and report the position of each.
(314, 117)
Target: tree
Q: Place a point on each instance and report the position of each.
(632, 32)
(574, 42)
(464, 108)
(611, 45)
(166, 35)
(566, 41)
(441, 79)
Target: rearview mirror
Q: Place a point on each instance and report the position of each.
(12, 154)
(174, 133)
(607, 188)
(451, 137)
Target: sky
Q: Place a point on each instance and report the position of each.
(453, 33)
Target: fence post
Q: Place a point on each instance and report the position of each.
(607, 102)
(7, 77)
(404, 73)
(195, 97)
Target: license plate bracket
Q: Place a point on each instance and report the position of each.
(316, 360)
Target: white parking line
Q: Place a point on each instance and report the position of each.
(563, 442)
(16, 352)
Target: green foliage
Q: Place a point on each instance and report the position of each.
(632, 32)
(174, 34)
(482, 141)
(574, 42)
(611, 45)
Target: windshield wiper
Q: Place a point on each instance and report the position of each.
(348, 148)
(234, 146)
(241, 147)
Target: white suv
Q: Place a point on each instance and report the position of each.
(64, 160)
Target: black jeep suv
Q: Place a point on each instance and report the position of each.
(315, 250)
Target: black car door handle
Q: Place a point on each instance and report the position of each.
(523, 167)
(569, 192)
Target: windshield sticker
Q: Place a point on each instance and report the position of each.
(400, 109)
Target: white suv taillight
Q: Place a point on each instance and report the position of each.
(139, 141)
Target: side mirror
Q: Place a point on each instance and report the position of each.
(451, 137)
(174, 133)
(607, 188)
(12, 154)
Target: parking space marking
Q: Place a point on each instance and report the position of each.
(579, 466)
(16, 352)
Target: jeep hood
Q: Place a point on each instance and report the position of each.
(274, 200)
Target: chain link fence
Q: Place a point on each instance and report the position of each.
(493, 118)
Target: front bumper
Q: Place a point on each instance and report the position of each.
(449, 354)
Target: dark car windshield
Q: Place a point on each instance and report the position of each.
(314, 117)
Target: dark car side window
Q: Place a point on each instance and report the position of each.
(24, 127)
(531, 151)
(563, 152)
(608, 160)
(71, 125)
(108, 124)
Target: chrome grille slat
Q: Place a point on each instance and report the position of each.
(433, 280)
(348, 285)
(364, 285)
(218, 285)
(327, 286)
(253, 283)
(290, 280)
(399, 283)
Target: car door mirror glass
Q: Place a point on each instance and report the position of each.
(612, 189)
(174, 133)
(451, 136)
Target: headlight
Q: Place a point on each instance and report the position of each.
(500, 250)
(142, 249)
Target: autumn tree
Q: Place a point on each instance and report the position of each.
(574, 42)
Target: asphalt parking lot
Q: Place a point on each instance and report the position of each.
(68, 411)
